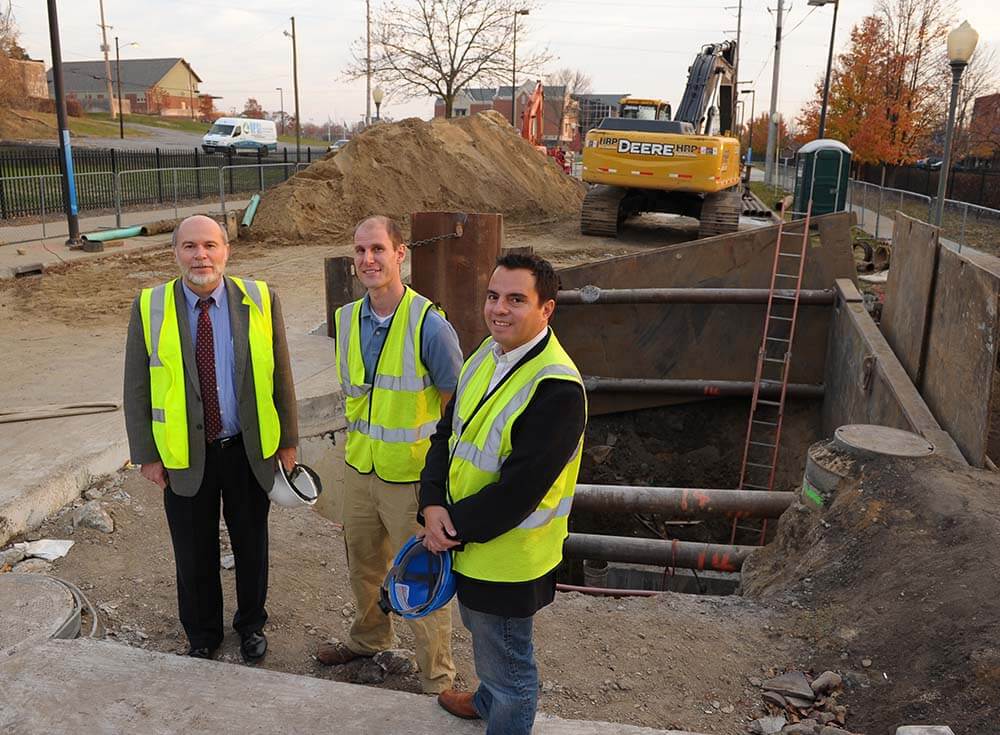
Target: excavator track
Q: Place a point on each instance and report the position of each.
(600, 213)
(720, 213)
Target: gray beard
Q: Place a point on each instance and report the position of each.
(203, 280)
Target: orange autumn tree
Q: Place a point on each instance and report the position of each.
(860, 112)
(759, 139)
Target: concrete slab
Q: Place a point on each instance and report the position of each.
(95, 686)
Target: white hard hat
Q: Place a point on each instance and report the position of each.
(292, 489)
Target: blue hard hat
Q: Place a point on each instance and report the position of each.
(419, 582)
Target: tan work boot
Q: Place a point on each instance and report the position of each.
(336, 654)
(459, 704)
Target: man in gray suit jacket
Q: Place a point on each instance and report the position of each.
(223, 341)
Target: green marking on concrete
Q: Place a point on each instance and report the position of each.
(810, 494)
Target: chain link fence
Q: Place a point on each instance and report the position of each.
(962, 224)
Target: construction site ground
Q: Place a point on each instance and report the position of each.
(842, 590)
(675, 661)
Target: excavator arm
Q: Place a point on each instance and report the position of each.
(710, 96)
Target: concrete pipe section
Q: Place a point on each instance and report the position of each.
(33, 609)
(830, 462)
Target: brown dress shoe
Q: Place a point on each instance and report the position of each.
(335, 654)
(458, 704)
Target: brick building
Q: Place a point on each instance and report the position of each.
(557, 102)
(150, 86)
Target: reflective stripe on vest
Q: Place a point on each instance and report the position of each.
(481, 445)
(257, 297)
(166, 369)
(390, 420)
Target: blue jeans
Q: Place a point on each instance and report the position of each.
(505, 664)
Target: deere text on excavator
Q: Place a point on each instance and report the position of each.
(643, 161)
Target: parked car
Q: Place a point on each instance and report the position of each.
(338, 145)
(241, 135)
(932, 162)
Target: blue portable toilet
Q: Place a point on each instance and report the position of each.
(822, 170)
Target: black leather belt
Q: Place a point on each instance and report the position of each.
(226, 442)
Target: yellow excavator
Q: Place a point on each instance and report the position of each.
(643, 161)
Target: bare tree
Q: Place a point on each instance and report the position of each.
(11, 80)
(440, 47)
(918, 75)
(573, 82)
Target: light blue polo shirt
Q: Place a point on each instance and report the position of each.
(439, 348)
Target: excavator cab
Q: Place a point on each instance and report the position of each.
(632, 108)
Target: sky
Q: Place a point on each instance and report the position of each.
(641, 47)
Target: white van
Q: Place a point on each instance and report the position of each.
(241, 135)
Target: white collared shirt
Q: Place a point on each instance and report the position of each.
(507, 360)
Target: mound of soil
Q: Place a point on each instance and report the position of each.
(900, 574)
(473, 164)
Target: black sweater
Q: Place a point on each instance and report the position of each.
(543, 439)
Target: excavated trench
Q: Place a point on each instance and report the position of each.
(691, 445)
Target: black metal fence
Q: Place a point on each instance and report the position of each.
(30, 182)
(973, 186)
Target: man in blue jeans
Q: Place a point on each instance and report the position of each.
(498, 484)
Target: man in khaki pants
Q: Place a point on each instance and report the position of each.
(398, 361)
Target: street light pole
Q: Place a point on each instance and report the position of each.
(368, 63)
(513, 67)
(282, 113)
(829, 63)
(378, 95)
(295, 84)
(961, 45)
(68, 183)
(753, 107)
(118, 79)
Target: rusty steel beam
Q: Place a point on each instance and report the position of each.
(713, 388)
(596, 295)
(680, 502)
(657, 552)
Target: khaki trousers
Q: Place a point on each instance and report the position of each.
(379, 517)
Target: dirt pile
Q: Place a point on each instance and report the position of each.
(899, 574)
(475, 164)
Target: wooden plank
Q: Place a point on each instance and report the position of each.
(696, 341)
(962, 349)
(908, 290)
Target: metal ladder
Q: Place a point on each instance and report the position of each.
(760, 453)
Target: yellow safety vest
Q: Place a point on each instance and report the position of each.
(479, 444)
(389, 421)
(166, 369)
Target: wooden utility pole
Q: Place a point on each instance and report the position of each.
(107, 62)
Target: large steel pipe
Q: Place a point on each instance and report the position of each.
(596, 295)
(678, 502)
(686, 554)
(713, 388)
